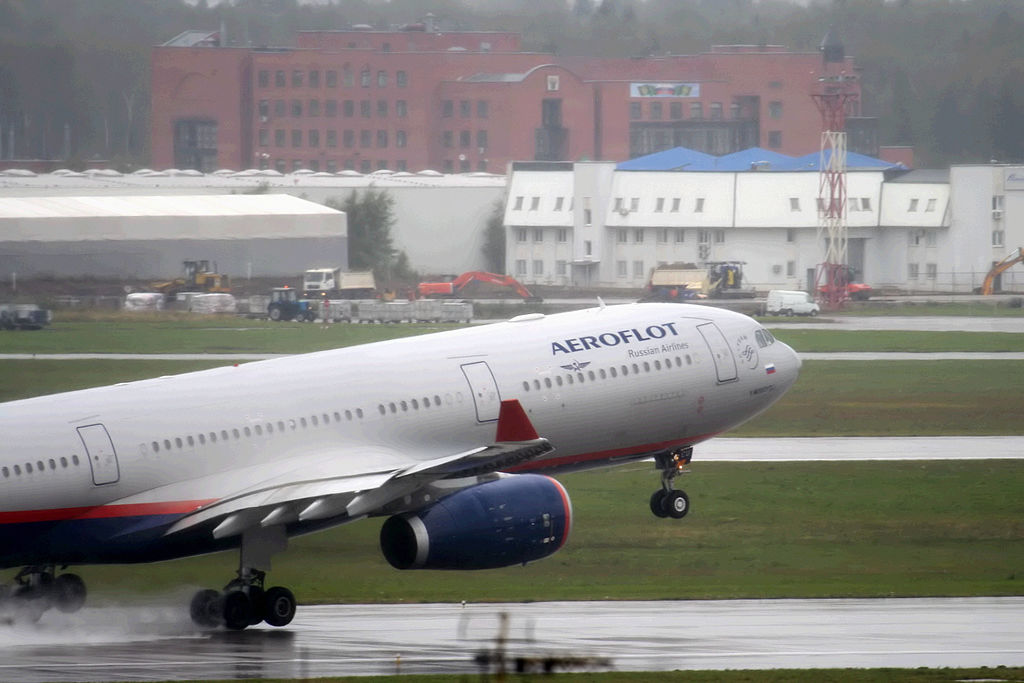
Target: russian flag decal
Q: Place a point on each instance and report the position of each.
(770, 368)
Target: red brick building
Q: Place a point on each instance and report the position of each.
(418, 98)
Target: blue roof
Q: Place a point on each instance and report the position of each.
(683, 159)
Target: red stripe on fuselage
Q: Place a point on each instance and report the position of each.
(103, 511)
(638, 451)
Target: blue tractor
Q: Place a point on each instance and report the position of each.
(286, 305)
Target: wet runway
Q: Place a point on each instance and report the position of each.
(156, 643)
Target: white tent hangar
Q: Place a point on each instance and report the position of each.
(149, 236)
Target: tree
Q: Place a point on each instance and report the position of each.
(494, 239)
(370, 218)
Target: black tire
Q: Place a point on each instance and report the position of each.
(677, 504)
(274, 313)
(658, 504)
(257, 605)
(311, 317)
(69, 593)
(237, 611)
(788, 313)
(813, 313)
(206, 609)
(279, 606)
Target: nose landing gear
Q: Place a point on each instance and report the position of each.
(667, 501)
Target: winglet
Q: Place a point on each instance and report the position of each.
(513, 424)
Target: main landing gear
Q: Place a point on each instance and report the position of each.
(244, 601)
(38, 588)
(667, 501)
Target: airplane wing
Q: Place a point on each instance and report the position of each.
(337, 490)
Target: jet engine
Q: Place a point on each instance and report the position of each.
(508, 521)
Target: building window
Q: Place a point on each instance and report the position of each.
(734, 111)
(930, 206)
(519, 207)
(364, 108)
(279, 80)
(659, 205)
(655, 111)
(348, 108)
(552, 83)
(314, 138)
(447, 109)
(296, 138)
(636, 111)
(794, 203)
(382, 79)
(561, 268)
(314, 79)
(790, 235)
(401, 109)
(297, 77)
(347, 77)
(931, 270)
(559, 201)
(998, 238)
(675, 204)
(447, 138)
(520, 267)
(634, 204)
(348, 138)
(998, 201)
(587, 213)
(401, 79)
(263, 109)
(620, 269)
(279, 137)
(622, 236)
(400, 140)
(465, 109)
(719, 236)
(638, 236)
(538, 267)
(481, 139)
(296, 109)
(675, 110)
(538, 234)
(365, 139)
(913, 271)
(913, 205)
(382, 138)
(696, 110)
(264, 78)
(382, 109)
(332, 138)
(931, 238)
(588, 248)
(280, 107)
(663, 236)
(775, 109)
(698, 206)
(332, 78)
(521, 235)
(482, 109)
(364, 78)
(463, 138)
(638, 269)
(716, 111)
(264, 137)
(774, 139)
(562, 235)
(680, 236)
(314, 107)
(331, 108)
(865, 203)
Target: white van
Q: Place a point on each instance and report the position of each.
(785, 302)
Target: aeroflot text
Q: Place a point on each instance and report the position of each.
(587, 342)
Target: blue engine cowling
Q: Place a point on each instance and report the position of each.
(501, 523)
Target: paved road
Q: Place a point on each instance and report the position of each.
(156, 643)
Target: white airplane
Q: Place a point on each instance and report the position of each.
(451, 435)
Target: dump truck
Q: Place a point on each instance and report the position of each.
(338, 283)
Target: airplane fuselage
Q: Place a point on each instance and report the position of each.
(99, 475)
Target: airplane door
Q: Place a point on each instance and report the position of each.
(99, 451)
(484, 390)
(725, 363)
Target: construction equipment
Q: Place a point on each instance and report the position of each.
(455, 286)
(331, 283)
(844, 286)
(725, 280)
(285, 305)
(988, 286)
(676, 282)
(198, 277)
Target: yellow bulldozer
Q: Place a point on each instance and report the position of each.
(198, 277)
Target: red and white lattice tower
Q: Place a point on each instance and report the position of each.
(835, 93)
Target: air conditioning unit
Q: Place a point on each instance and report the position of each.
(997, 214)
(623, 211)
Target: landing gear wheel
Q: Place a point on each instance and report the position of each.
(658, 503)
(206, 609)
(68, 593)
(237, 610)
(279, 606)
(677, 504)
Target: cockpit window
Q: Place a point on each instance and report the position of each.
(764, 337)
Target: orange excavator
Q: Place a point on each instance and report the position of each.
(988, 286)
(455, 286)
